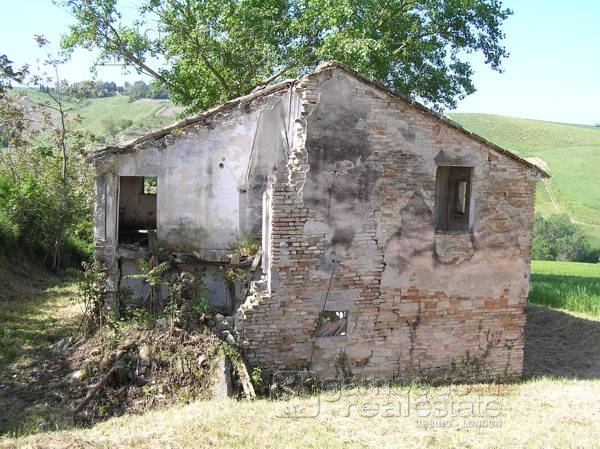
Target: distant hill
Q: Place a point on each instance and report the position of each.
(571, 152)
(100, 114)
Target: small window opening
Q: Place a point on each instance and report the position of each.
(332, 323)
(453, 198)
(460, 203)
(150, 185)
(137, 209)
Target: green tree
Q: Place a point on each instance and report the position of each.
(557, 238)
(220, 49)
(114, 127)
(8, 74)
(138, 90)
(44, 183)
(111, 127)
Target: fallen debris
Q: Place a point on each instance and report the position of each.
(61, 346)
(113, 369)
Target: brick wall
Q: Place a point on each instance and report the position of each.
(353, 229)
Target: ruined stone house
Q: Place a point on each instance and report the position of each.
(394, 242)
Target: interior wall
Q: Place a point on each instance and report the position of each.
(136, 209)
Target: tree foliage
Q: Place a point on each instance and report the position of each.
(9, 74)
(557, 238)
(92, 89)
(219, 49)
(45, 185)
(140, 89)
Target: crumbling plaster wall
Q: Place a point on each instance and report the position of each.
(357, 214)
(211, 179)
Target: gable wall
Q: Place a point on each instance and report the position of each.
(361, 192)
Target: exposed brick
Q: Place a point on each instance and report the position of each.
(419, 303)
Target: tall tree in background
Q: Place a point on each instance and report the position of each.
(219, 49)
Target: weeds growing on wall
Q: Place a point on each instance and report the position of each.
(190, 297)
(233, 275)
(248, 247)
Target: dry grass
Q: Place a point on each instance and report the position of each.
(543, 413)
(36, 310)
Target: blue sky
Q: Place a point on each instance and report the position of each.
(553, 72)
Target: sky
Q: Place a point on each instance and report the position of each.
(553, 72)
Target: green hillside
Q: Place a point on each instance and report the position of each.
(572, 153)
(98, 113)
(145, 113)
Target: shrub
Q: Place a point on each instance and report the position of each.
(557, 238)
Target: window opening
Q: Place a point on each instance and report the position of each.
(453, 198)
(332, 323)
(150, 185)
(137, 209)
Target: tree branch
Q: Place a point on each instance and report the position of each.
(216, 73)
(121, 47)
(204, 58)
(140, 63)
(277, 74)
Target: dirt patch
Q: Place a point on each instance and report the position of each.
(34, 393)
(560, 344)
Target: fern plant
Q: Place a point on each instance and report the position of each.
(152, 272)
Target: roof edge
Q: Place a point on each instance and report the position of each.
(329, 65)
(288, 83)
(197, 118)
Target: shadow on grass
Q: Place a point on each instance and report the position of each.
(560, 344)
(35, 318)
(33, 380)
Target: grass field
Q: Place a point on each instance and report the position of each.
(146, 114)
(36, 321)
(566, 285)
(572, 153)
(528, 137)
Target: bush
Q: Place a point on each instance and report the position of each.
(9, 230)
(31, 212)
(557, 238)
